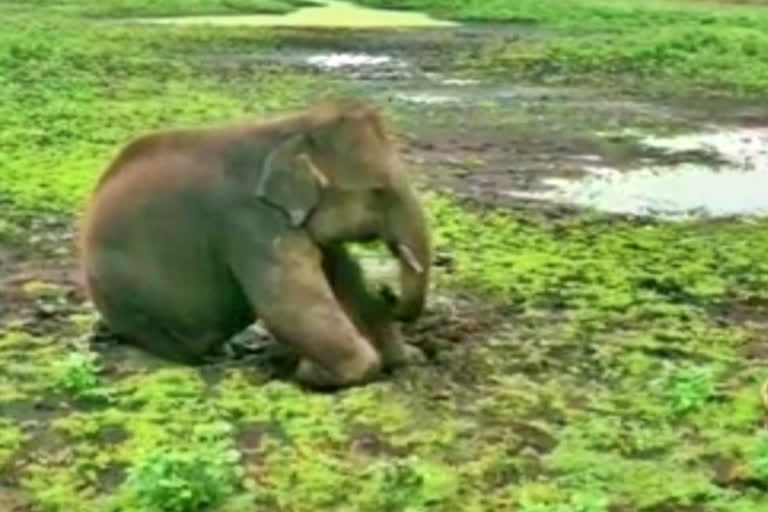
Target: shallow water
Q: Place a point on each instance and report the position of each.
(340, 60)
(732, 183)
(737, 187)
(333, 13)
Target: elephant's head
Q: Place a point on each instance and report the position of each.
(338, 173)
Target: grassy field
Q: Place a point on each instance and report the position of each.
(577, 363)
(696, 44)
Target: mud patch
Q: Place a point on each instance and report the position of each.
(14, 500)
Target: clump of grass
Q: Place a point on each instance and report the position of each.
(690, 389)
(78, 373)
(183, 481)
(9, 231)
(11, 438)
(759, 461)
(578, 502)
(410, 484)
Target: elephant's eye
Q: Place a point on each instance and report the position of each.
(311, 141)
(380, 193)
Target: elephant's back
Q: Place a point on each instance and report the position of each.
(150, 231)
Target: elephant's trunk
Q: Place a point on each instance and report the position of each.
(410, 243)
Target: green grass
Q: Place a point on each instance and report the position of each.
(644, 45)
(615, 377)
(129, 8)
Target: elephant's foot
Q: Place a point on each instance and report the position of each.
(394, 351)
(360, 369)
(398, 355)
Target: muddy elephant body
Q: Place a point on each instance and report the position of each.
(190, 236)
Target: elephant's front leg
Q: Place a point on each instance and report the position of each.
(293, 298)
(370, 312)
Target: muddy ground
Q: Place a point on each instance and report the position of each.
(480, 136)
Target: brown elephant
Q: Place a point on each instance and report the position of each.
(191, 235)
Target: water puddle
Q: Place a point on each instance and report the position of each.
(738, 186)
(427, 98)
(468, 92)
(329, 13)
(341, 60)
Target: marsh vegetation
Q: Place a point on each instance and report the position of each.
(578, 360)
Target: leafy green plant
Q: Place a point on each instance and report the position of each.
(408, 485)
(760, 461)
(190, 480)
(78, 373)
(577, 503)
(690, 389)
(541, 497)
(11, 438)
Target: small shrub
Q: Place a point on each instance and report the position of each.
(187, 480)
(184, 481)
(690, 389)
(78, 373)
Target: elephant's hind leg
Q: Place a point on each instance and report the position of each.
(134, 324)
(153, 337)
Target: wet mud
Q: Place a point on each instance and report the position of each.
(520, 145)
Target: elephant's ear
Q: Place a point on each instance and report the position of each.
(290, 180)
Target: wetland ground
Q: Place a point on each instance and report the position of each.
(596, 338)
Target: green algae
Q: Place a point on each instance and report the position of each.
(331, 13)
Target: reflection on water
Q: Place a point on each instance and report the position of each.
(426, 98)
(737, 187)
(341, 60)
(332, 13)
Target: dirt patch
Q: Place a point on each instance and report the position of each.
(39, 282)
(450, 320)
(107, 480)
(371, 444)
(14, 500)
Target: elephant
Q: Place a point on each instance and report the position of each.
(192, 234)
